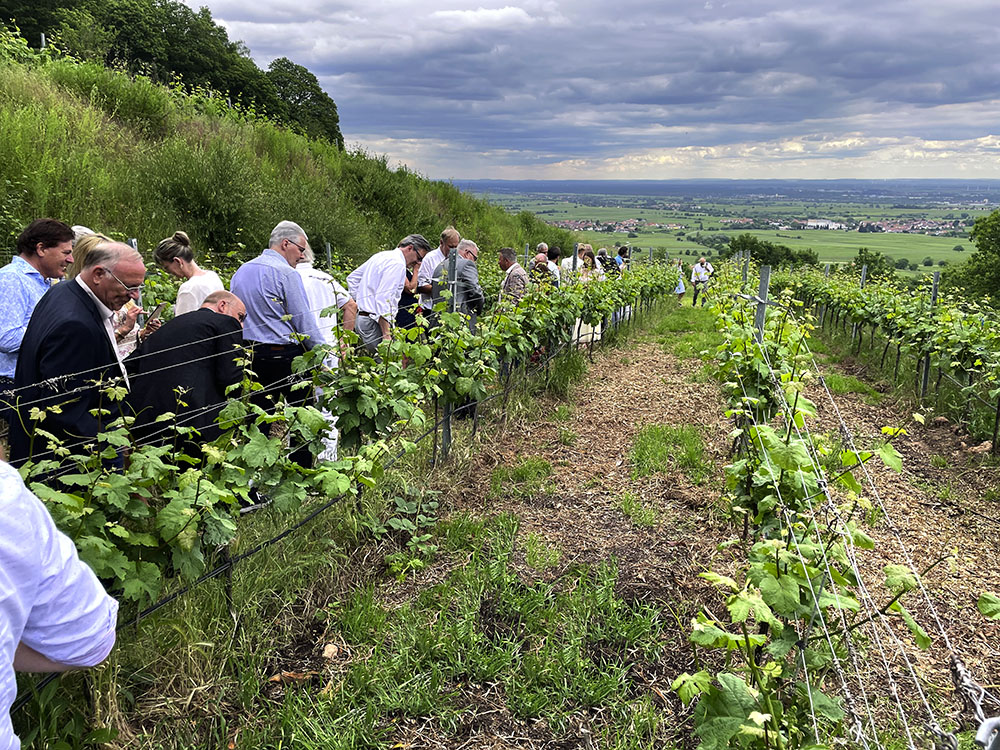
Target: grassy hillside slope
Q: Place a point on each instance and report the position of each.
(122, 155)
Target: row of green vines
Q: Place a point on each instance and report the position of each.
(167, 512)
(794, 606)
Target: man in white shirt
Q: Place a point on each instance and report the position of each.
(324, 292)
(376, 286)
(701, 272)
(430, 264)
(54, 613)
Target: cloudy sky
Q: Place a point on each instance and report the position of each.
(614, 89)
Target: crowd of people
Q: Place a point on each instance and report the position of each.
(62, 344)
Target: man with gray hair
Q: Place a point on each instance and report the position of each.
(515, 280)
(377, 284)
(69, 355)
(468, 297)
(279, 323)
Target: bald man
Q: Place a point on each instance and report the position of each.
(69, 355)
(185, 369)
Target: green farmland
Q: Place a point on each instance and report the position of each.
(694, 218)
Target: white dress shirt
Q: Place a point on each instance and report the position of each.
(49, 599)
(377, 284)
(428, 268)
(109, 326)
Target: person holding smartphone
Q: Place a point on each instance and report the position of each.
(176, 258)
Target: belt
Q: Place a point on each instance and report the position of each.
(258, 346)
(373, 316)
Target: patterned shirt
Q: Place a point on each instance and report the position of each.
(276, 303)
(21, 286)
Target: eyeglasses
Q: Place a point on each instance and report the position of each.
(296, 244)
(129, 289)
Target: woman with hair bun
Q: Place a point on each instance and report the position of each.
(175, 257)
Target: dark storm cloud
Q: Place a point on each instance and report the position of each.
(550, 81)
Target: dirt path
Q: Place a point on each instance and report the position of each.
(579, 514)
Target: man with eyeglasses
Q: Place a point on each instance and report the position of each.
(280, 325)
(185, 368)
(468, 297)
(69, 355)
(376, 286)
(429, 267)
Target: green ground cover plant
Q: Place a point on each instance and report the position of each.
(660, 448)
(636, 511)
(840, 384)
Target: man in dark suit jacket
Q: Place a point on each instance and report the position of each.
(185, 368)
(469, 297)
(68, 356)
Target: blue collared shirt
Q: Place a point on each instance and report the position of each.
(277, 307)
(21, 286)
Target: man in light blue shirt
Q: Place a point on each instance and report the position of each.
(279, 325)
(44, 251)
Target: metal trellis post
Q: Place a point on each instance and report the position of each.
(927, 357)
(452, 306)
(864, 274)
(765, 280)
(329, 258)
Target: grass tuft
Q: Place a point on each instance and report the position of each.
(634, 509)
(842, 384)
(523, 479)
(660, 447)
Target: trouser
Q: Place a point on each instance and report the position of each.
(369, 331)
(702, 288)
(272, 364)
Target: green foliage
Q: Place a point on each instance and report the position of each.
(308, 107)
(224, 173)
(666, 447)
(979, 276)
(989, 605)
(798, 574)
(769, 254)
(879, 266)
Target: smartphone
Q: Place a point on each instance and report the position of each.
(157, 312)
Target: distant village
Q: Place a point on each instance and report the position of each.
(938, 227)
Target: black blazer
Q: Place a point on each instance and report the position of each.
(65, 339)
(185, 368)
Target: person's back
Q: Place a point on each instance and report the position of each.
(54, 613)
(185, 369)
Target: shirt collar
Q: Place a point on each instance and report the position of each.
(104, 311)
(29, 270)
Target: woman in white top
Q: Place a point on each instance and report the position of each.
(175, 257)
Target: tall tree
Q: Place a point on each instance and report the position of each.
(308, 106)
(980, 274)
